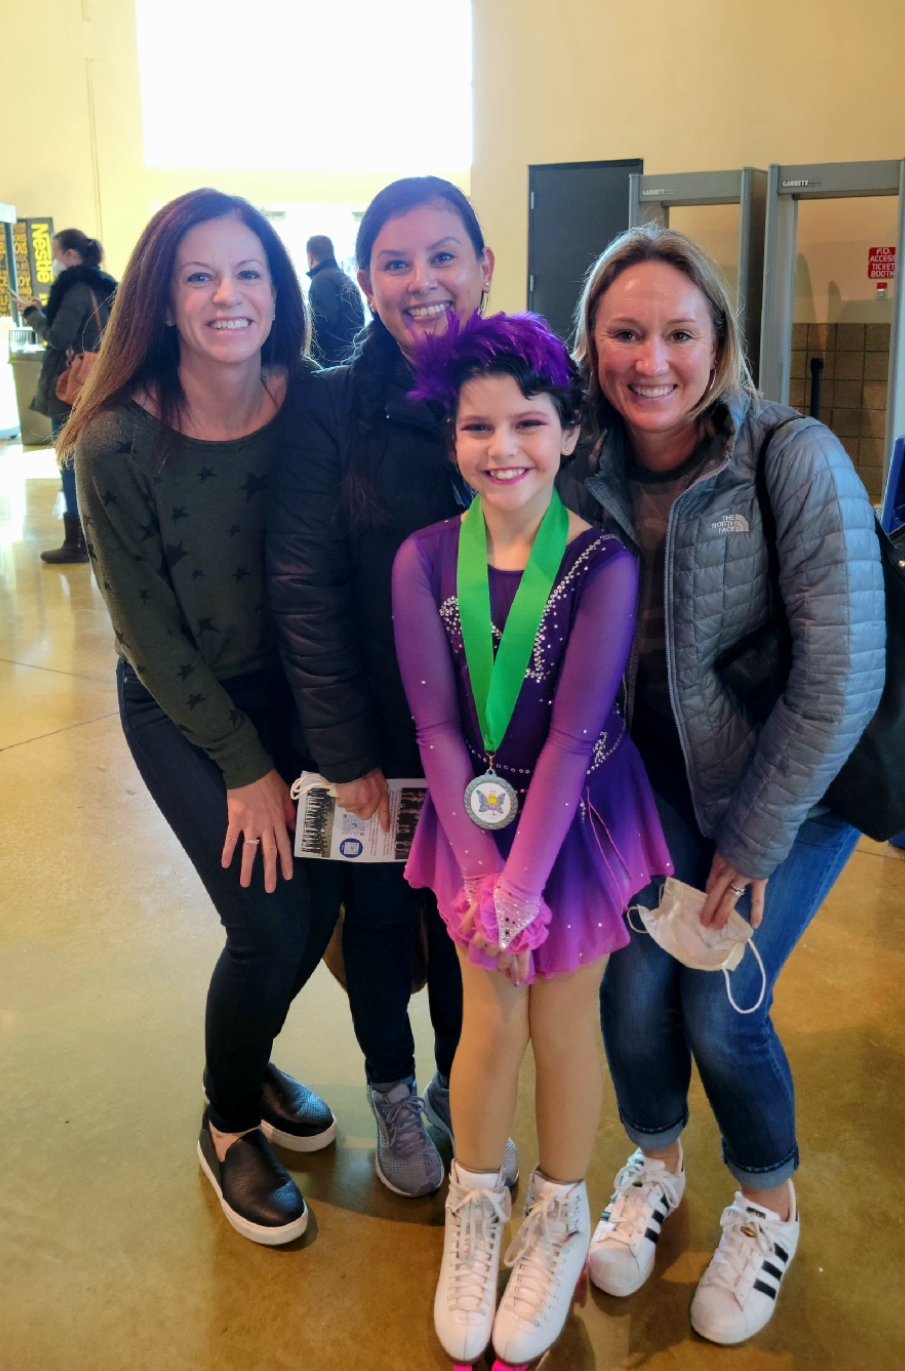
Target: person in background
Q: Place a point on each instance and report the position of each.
(173, 438)
(364, 467)
(682, 432)
(78, 308)
(337, 313)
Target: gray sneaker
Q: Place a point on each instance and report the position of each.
(407, 1161)
(437, 1112)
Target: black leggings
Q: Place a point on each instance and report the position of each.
(273, 942)
(380, 934)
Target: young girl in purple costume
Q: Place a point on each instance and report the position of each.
(535, 905)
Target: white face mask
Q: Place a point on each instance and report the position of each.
(56, 267)
(675, 925)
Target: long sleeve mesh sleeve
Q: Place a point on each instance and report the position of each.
(591, 674)
(592, 671)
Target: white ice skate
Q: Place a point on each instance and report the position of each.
(548, 1259)
(466, 1291)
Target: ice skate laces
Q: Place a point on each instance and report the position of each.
(536, 1253)
(745, 1242)
(635, 1194)
(478, 1216)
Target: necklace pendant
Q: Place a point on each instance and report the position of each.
(490, 802)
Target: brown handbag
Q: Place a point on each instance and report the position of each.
(335, 962)
(79, 366)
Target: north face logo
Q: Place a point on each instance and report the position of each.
(731, 523)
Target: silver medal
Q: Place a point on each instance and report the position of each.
(490, 802)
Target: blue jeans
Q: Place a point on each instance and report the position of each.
(273, 942)
(657, 1014)
(70, 497)
(67, 472)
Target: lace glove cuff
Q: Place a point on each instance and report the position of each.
(521, 924)
(504, 920)
(472, 890)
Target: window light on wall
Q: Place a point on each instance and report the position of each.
(286, 85)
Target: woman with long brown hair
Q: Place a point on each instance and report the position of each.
(173, 439)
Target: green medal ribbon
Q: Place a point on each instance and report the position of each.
(496, 682)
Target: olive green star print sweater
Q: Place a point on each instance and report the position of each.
(178, 553)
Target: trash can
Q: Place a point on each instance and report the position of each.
(26, 354)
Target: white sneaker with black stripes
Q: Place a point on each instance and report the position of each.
(625, 1240)
(736, 1295)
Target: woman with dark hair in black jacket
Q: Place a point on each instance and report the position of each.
(365, 468)
(77, 311)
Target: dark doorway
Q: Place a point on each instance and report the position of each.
(574, 210)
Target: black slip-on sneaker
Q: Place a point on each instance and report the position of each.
(256, 1193)
(294, 1116)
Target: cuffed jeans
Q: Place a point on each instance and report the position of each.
(380, 933)
(273, 942)
(658, 1014)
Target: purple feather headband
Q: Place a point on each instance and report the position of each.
(445, 361)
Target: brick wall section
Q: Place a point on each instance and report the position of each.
(853, 389)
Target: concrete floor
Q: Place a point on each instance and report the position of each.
(113, 1252)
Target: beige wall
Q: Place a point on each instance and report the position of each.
(73, 97)
(76, 149)
(705, 85)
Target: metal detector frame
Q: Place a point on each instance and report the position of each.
(652, 197)
(788, 184)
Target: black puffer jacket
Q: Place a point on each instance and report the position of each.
(69, 322)
(337, 313)
(329, 576)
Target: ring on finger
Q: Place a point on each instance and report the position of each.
(252, 842)
(737, 890)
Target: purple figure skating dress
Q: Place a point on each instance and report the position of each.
(587, 837)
